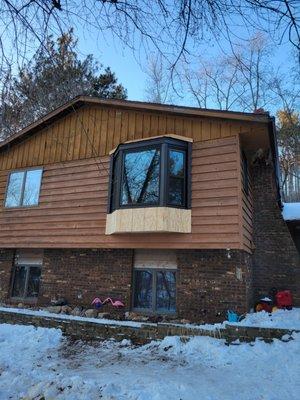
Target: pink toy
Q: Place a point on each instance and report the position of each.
(116, 303)
(98, 303)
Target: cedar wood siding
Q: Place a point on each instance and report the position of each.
(74, 153)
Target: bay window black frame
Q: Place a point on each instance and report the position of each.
(165, 144)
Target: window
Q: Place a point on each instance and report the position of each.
(140, 182)
(155, 290)
(23, 188)
(155, 281)
(26, 275)
(151, 173)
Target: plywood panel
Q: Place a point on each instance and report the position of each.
(73, 199)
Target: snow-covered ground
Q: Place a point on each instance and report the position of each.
(37, 363)
(285, 319)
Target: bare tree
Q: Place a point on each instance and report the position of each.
(289, 154)
(158, 84)
(172, 28)
(239, 81)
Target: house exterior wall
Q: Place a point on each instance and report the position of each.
(73, 206)
(208, 282)
(276, 260)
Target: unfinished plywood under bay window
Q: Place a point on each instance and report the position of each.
(150, 219)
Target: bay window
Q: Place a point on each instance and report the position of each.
(153, 172)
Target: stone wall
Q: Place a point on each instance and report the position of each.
(275, 260)
(210, 282)
(91, 331)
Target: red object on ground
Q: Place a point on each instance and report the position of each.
(284, 299)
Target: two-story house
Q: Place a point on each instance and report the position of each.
(173, 210)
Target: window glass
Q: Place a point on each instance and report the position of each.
(32, 187)
(141, 177)
(23, 188)
(176, 177)
(33, 282)
(143, 289)
(19, 282)
(166, 291)
(14, 190)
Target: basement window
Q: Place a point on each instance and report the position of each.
(26, 275)
(155, 281)
(23, 188)
(154, 172)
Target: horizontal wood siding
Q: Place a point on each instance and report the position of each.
(73, 199)
(96, 130)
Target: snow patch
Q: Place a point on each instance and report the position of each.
(38, 363)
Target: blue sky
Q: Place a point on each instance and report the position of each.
(130, 68)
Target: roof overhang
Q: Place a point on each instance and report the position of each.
(81, 101)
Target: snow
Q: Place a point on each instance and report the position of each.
(284, 319)
(47, 314)
(38, 363)
(291, 211)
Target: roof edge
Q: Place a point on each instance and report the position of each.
(80, 101)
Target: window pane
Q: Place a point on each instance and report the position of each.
(19, 282)
(166, 291)
(143, 289)
(176, 191)
(176, 177)
(32, 187)
(176, 163)
(33, 282)
(141, 177)
(14, 190)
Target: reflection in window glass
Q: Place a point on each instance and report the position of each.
(32, 187)
(166, 291)
(19, 282)
(141, 177)
(14, 190)
(23, 188)
(34, 274)
(176, 177)
(143, 289)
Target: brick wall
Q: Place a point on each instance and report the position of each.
(276, 260)
(210, 283)
(6, 262)
(81, 275)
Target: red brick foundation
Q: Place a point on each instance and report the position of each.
(276, 260)
(6, 263)
(212, 282)
(81, 275)
(208, 282)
